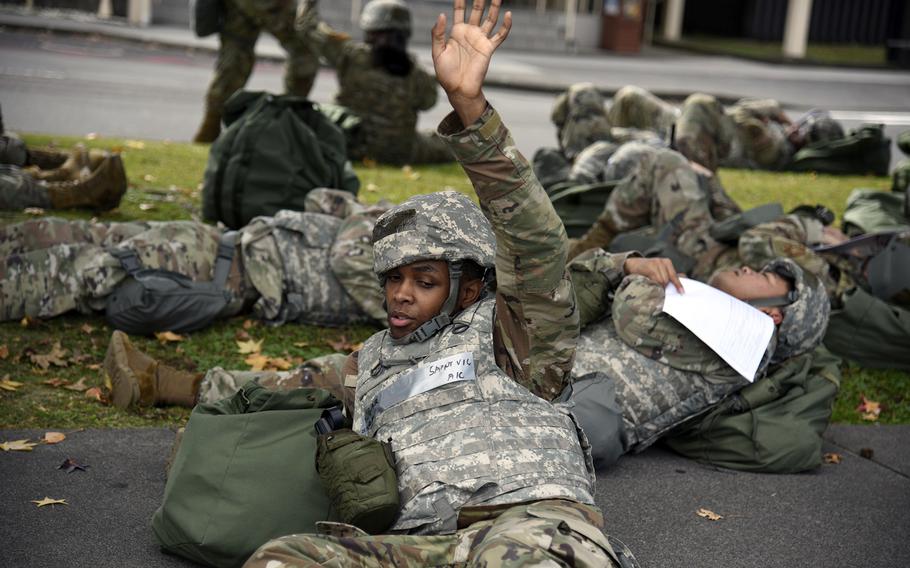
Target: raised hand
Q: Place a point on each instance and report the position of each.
(659, 270)
(462, 61)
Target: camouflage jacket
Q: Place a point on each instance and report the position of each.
(387, 104)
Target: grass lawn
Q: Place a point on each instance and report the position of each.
(165, 184)
(824, 53)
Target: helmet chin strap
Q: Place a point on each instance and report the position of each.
(431, 327)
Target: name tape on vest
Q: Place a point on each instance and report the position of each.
(451, 369)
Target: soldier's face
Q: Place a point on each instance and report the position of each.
(747, 284)
(414, 294)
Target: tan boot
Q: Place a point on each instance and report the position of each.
(598, 236)
(209, 129)
(138, 379)
(101, 190)
(74, 168)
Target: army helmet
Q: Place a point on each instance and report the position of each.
(822, 129)
(382, 15)
(806, 310)
(439, 226)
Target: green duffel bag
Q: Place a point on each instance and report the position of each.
(774, 425)
(866, 150)
(579, 205)
(245, 473)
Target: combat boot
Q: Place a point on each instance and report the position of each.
(101, 190)
(209, 129)
(138, 379)
(46, 158)
(598, 236)
(75, 167)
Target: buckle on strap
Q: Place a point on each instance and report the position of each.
(128, 259)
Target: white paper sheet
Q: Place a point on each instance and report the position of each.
(733, 329)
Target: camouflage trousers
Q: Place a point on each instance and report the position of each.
(704, 132)
(19, 190)
(243, 20)
(321, 372)
(660, 186)
(51, 266)
(543, 533)
(637, 108)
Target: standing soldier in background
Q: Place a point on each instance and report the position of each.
(243, 20)
(380, 82)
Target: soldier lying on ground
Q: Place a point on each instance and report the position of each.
(295, 266)
(380, 82)
(753, 133)
(50, 179)
(241, 23)
(662, 190)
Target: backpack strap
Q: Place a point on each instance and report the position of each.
(226, 246)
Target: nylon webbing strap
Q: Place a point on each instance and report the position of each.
(774, 301)
(225, 258)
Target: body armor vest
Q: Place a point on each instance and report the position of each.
(463, 433)
(653, 396)
(312, 294)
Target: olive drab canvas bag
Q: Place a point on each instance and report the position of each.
(244, 473)
(773, 425)
(579, 205)
(865, 150)
(273, 151)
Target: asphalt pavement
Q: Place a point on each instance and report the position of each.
(854, 513)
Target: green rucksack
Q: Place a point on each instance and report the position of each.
(774, 425)
(866, 150)
(273, 151)
(244, 473)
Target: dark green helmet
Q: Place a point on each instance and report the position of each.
(386, 15)
(824, 129)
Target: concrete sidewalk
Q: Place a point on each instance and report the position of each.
(855, 513)
(668, 73)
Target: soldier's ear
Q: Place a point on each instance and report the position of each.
(775, 313)
(469, 292)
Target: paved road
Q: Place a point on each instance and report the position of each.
(851, 514)
(76, 84)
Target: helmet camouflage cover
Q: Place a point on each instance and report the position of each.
(806, 317)
(380, 15)
(824, 129)
(439, 226)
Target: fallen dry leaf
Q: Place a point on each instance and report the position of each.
(866, 453)
(409, 173)
(146, 206)
(87, 329)
(870, 409)
(166, 336)
(93, 366)
(29, 321)
(55, 382)
(49, 501)
(18, 446)
(302, 344)
(370, 163)
(832, 458)
(135, 144)
(247, 324)
(708, 514)
(279, 363)
(251, 346)
(70, 465)
(242, 335)
(53, 437)
(148, 177)
(9, 385)
(78, 386)
(256, 361)
(4, 351)
(54, 357)
(97, 394)
(36, 211)
(91, 136)
(372, 187)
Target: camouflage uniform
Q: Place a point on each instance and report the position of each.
(243, 20)
(761, 140)
(637, 108)
(580, 119)
(387, 104)
(291, 262)
(534, 328)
